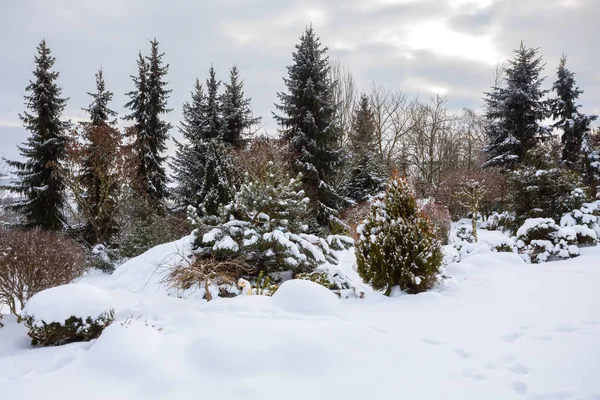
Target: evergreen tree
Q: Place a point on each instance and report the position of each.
(367, 176)
(218, 184)
(573, 124)
(188, 163)
(396, 244)
(39, 180)
(148, 102)
(308, 124)
(264, 228)
(514, 112)
(237, 114)
(212, 128)
(99, 111)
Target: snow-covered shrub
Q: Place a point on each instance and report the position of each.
(466, 249)
(492, 223)
(103, 258)
(464, 233)
(585, 221)
(33, 260)
(439, 216)
(67, 314)
(537, 193)
(506, 220)
(304, 297)
(504, 245)
(538, 239)
(396, 244)
(264, 227)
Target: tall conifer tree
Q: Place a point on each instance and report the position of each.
(573, 124)
(515, 111)
(148, 103)
(237, 113)
(40, 183)
(308, 124)
(367, 177)
(188, 164)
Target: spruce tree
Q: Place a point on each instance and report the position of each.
(212, 128)
(98, 110)
(367, 176)
(237, 113)
(188, 163)
(218, 184)
(515, 111)
(308, 124)
(148, 103)
(40, 182)
(573, 124)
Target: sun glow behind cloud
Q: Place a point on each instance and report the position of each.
(438, 38)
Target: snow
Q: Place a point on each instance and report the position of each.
(305, 297)
(496, 328)
(59, 303)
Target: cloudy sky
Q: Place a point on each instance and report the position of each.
(417, 46)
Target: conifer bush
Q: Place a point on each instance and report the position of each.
(397, 244)
(73, 329)
(265, 227)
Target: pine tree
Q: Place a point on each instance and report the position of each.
(237, 113)
(39, 180)
(99, 111)
(573, 124)
(188, 163)
(515, 111)
(218, 184)
(367, 176)
(148, 102)
(308, 124)
(396, 244)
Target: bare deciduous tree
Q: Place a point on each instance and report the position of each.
(391, 111)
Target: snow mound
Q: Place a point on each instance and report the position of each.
(59, 303)
(305, 297)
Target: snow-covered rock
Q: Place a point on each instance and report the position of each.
(305, 297)
(59, 303)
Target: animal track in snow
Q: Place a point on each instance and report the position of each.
(518, 369)
(543, 337)
(511, 337)
(463, 353)
(433, 342)
(519, 387)
(476, 376)
(565, 328)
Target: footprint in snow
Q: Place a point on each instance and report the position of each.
(518, 369)
(476, 376)
(519, 387)
(433, 342)
(463, 353)
(511, 337)
(543, 337)
(565, 328)
(591, 322)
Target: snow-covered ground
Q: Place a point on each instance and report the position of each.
(496, 328)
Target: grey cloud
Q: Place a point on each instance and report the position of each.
(259, 37)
